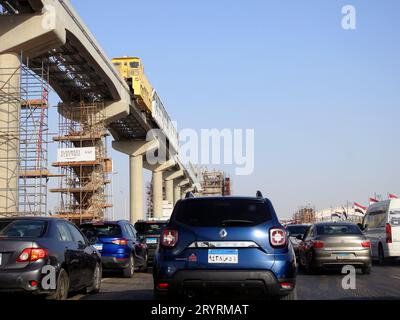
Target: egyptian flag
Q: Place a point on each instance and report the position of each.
(372, 201)
(359, 208)
(336, 215)
(392, 196)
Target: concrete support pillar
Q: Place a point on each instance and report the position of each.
(136, 151)
(158, 194)
(181, 185)
(172, 181)
(9, 132)
(169, 191)
(177, 193)
(136, 188)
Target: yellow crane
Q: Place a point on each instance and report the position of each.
(131, 69)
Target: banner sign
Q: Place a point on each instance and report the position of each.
(76, 154)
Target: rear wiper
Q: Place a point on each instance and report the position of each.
(233, 222)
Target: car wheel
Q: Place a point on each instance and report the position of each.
(291, 296)
(62, 289)
(381, 255)
(96, 282)
(366, 270)
(128, 272)
(309, 265)
(302, 263)
(145, 266)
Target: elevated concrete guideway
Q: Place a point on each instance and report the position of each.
(51, 31)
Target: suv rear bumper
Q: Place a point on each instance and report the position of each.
(113, 262)
(264, 282)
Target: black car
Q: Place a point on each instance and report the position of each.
(295, 231)
(34, 251)
(149, 232)
(119, 245)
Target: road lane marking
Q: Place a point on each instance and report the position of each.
(397, 278)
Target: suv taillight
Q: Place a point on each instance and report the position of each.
(32, 255)
(120, 242)
(389, 233)
(169, 238)
(277, 237)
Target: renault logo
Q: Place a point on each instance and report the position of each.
(223, 234)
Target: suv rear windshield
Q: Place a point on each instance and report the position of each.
(22, 228)
(145, 228)
(101, 231)
(338, 229)
(223, 212)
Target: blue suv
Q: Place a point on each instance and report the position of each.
(119, 245)
(225, 244)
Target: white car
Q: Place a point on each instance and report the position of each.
(381, 225)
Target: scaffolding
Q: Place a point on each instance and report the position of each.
(24, 94)
(215, 183)
(305, 215)
(10, 102)
(82, 183)
(34, 138)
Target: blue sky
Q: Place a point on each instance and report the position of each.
(324, 102)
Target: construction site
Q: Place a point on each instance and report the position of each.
(82, 164)
(305, 215)
(24, 138)
(101, 103)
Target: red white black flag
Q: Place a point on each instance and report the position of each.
(359, 208)
(372, 201)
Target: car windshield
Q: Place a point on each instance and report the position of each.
(101, 231)
(337, 229)
(146, 229)
(223, 212)
(22, 228)
(297, 230)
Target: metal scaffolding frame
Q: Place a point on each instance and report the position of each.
(83, 185)
(10, 102)
(24, 140)
(214, 183)
(34, 139)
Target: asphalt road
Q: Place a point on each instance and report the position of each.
(382, 283)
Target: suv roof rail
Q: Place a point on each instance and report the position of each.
(189, 195)
(259, 195)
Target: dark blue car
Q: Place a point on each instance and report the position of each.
(225, 244)
(119, 246)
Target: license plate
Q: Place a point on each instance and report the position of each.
(98, 247)
(223, 256)
(151, 240)
(344, 256)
